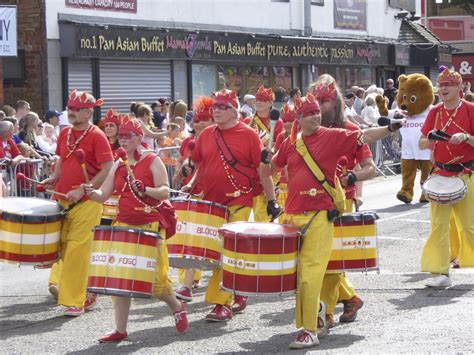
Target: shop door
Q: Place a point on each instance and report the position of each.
(79, 75)
(124, 81)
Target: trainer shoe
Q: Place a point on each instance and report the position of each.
(304, 339)
(54, 291)
(184, 294)
(322, 330)
(113, 337)
(240, 303)
(351, 307)
(196, 284)
(441, 281)
(220, 313)
(181, 319)
(90, 301)
(455, 264)
(73, 311)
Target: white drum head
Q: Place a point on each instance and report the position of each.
(443, 185)
(29, 206)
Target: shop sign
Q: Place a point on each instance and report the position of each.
(464, 64)
(350, 14)
(119, 42)
(8, 31)
(105, 5)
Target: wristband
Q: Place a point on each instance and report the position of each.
(351, 179)
(466, 137)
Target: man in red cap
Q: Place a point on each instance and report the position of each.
(311, 203)
(69, 275)
(453, 157)
(228, 156)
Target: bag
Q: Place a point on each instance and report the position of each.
(336, 192)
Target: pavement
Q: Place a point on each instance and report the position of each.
(399, 315)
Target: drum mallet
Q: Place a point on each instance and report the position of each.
(274, 117)
(42, 188)
(81, 158)
(39, 187)
(123, 155)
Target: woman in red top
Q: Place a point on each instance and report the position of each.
(140, 198)
(111, 123)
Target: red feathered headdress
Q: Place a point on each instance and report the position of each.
(288, 114)
(305, 106)
(265, 95)
(78, 100)
(225, 97)
(203, 109)
(449, 77)
(324, 92)
(111, 117)
(130, 125)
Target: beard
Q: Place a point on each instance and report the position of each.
(328, 118)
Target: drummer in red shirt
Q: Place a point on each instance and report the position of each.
(184, 173)
(453, 157)
(309, 206)
(228, 156)
(70, 273)
(141, 205)
(111, 123)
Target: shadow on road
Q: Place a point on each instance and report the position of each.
(159, 337)
(420, 298)
(14, 328)
(400, 208)
(412, 278)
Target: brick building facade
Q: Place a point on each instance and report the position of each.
(31, 38)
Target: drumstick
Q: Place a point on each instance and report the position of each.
(42, 188)
(123, 155)
(343, 163)
(81, 158)
(23, 177)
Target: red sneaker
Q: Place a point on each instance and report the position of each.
(184, 294)
(350, 309)
(112, 337)
(181, 319)
(73, 311)
(240, 303)
(90, 301)
(220, 313)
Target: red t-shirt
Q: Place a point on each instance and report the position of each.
(245, 146)
(352, 160)
(97, 151)
(326, 146)
(130, 210)
(10, 150)
(463, 121)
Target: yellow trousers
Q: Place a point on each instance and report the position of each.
(454, 238)
(312, 263)
(260, 209)
(70, 273)
(282, 195)
(214, 294)
(161, 282)
(409, 168)
(336, 286)
(182, 272)
(436, 253)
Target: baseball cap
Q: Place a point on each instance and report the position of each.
(51, 113)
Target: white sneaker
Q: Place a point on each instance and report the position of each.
(323, 329)
(440, 281)
(304, 339)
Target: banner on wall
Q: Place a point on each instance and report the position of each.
(8, 31)
(350, 14)
(104, 5)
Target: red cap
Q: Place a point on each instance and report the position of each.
(264, 95)
(203, 109)
(325, 92)
(288, 114)
(226, 97)
(111, 117)
(130, 125)
(306, 105)
(449, 77)
(77, 100)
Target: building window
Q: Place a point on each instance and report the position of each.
(14, 68)
(204, 80)
(449, 8)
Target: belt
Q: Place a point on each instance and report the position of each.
(456, 168)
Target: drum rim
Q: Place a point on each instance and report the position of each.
(34, 218)
(243, 293)
(295, 233)
(146, 232)
(199, 201)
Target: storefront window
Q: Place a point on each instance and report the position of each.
(281, 78)
(204, 80)
(230, 77)
(366, 77)
(254, 77)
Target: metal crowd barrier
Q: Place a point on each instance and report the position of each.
(31, 168)
(387, 154)
(170, 157)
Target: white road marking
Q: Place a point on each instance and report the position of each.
(398, 238)
(400, 215)
(414, 220)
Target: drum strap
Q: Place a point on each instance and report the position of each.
(307, 225)
(261, 126)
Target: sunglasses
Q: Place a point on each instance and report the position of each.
(221, 107)
(126, 136)
(109, 125)
(40, 126)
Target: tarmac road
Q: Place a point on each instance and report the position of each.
(399, 315)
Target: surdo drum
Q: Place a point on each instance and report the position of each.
(259, 258)
(123, 261)
(30, 230)
(196, 244)
(444, 189)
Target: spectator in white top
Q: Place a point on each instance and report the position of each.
(48, 140)
(371, 113)
(359, 100)
(249, 105)
(351, 113)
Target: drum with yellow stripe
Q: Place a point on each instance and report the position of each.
(123, 261)
(30, 230)
(259, 258)
(196, 244)
(109, 210)
(355, 243)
